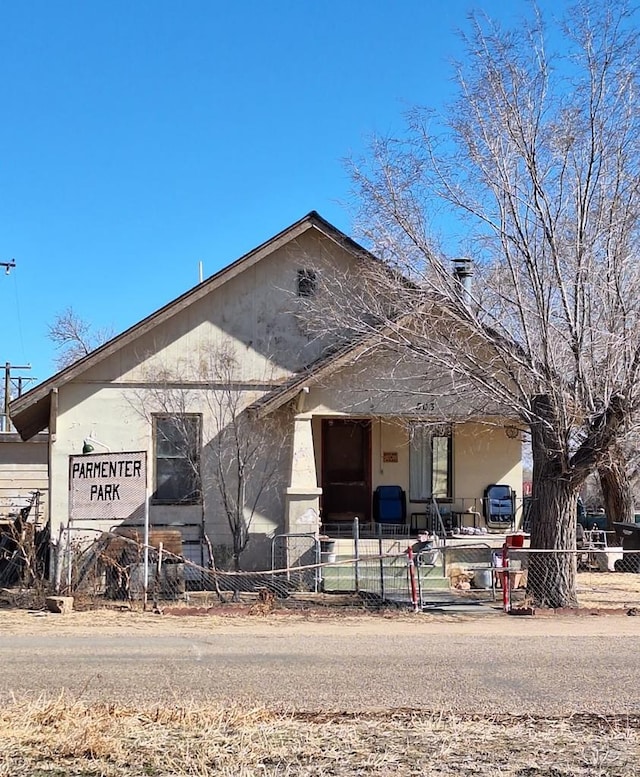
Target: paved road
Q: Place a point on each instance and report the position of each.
(499, 664)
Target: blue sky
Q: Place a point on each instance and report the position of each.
(139, 138)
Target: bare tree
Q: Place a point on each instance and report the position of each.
(74, 337)
(245, 452)
(613, 487)
(237, 462)
(619, 477)
(538, 160)
(617, 492)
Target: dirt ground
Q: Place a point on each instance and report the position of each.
(608, 589)
(187, 621)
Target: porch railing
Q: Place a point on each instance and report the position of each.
(369, 530)
(439, 528)
(462, 515)
(469, 513)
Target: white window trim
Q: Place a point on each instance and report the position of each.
(423, 476)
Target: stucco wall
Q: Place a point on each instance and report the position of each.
(120, 419)
(256, 315)
(83, 411)
(389, 437)
(378, 383)
(483, 454)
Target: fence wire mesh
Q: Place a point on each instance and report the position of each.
(298, 551)
(110, 566)
(602, 578)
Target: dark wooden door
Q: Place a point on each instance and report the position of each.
(346, 470)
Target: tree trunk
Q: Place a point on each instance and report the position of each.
(616, 489)
(551, 576)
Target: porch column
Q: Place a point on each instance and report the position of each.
(302, 506)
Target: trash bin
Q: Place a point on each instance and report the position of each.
(327, 545)
(482, 578)
(327, 550)
(628, 535)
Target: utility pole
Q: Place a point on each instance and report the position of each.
(5, 425)
(7, 390)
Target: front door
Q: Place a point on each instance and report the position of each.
(346, 470)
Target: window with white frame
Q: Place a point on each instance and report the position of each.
(429, 462)
(177, 441)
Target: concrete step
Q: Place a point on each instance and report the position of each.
(432, 578)
(342, 577)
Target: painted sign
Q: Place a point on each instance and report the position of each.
(390, 457)
(107, 486)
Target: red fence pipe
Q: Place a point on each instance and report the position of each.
(506, 579)
(412, 579)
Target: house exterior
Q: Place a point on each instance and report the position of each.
(231, 367)
(23, 476)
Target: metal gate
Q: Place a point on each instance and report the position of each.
(296, 555)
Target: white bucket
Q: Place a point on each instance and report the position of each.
(482, 578)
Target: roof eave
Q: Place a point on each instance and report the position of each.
(32, 418)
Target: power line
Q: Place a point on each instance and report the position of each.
(18, 314)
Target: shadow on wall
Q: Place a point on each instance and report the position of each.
(256, 556)
(265, 449)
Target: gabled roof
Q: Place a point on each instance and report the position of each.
(30, 412)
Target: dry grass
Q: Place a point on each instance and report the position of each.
(69, 737)
(608, 589)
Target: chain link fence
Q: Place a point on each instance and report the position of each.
(603, 578)
(110, 567)
(99, 568)
(302, 551)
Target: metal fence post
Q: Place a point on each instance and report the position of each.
(506, 580)
(69, 559)
(145, 552)
(444, 554)
(59, 557)
(317, 573)
(412, 579)
(356, 550)
(381, 568)
(159, 568)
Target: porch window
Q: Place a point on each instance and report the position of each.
(177, 459)
(429, 463)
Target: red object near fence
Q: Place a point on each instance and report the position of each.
(515, 540)
(412, 580)
(506, 579)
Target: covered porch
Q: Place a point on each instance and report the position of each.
(404, 477)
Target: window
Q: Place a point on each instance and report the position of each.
(307, 283)
(177, 459)
(429, 463)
